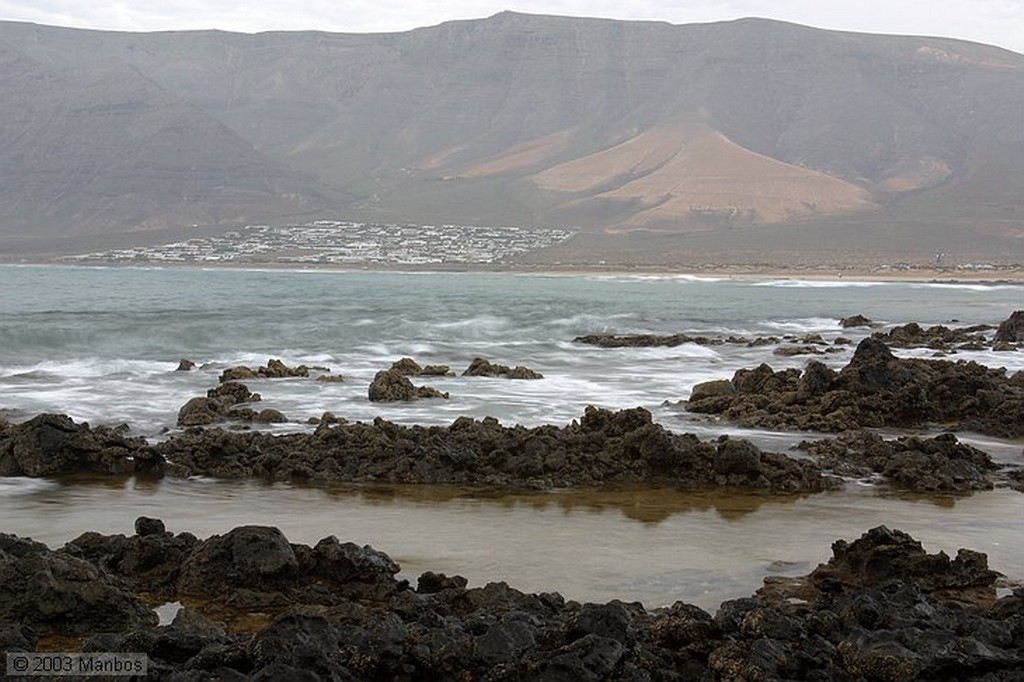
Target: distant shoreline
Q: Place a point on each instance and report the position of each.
(929, 275)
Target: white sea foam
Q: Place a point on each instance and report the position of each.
(964, 286)
(819, 284)
(805, 325)
(667, 277)
(19, 485)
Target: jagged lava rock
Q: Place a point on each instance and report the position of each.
(1011, 330)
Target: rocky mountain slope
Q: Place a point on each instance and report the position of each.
(709, 136)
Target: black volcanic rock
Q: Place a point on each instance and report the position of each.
(53, 444)
(260, 607)
(53, 593)
(855, 321)
(392, 385)
(668, 340)
(1011, 330)
(245, 557)
(875, 389)
(603, 447)
(274, 369)
(220, 403)
(940, 464)
(481, 367)
(939, 337)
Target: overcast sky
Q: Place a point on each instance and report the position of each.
(999, 22)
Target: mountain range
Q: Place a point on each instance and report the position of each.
(744, 139)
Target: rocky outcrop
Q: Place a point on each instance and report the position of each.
(410, 368)
(668, 340)
(855, 321)
(185, 365)
(875, 389)
(602, 447)
(484, 368)
(391, 385)
(941, 464)
(44, 593)
(53, 444)
(1011, 330)
(274, 369)
(219, 404)
(260, 608)
(937, 337)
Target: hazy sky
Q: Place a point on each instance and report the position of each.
(999, 22)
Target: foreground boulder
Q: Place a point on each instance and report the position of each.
(876, 389)
(260, 607)
(52, 593)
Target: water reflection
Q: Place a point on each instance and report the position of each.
(644, 504)
(655, 545)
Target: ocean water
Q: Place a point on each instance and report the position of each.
(102, 345)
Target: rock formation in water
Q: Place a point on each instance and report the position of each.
(274, 369)
(1011, 330)
(940, 464)
(229, 400)
(480, 367)
(391, 385)
(53, 444)
(411, 368)
(855, 321)
(937, 337)
(668, 340)
(876, 389)
(259, 607)
(603, 447)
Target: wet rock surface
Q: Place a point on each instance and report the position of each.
(229, 400)
(392, 385)
(855, 321)
(481, 367)
(1011, 330)
(937, 337)
(53, 444)
(602, 447)
(274, 369)
(411, 368)
(940, 464)
(876, 389)
(882, 609)
(668, 340)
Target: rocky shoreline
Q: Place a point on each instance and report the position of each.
(876, 389)
(251, 605)
(601, 448)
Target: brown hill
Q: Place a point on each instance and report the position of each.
(751, 133)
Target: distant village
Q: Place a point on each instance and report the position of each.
(329, 242)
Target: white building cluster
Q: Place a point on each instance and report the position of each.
(346, 243)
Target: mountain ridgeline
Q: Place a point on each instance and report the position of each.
(656, 141)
